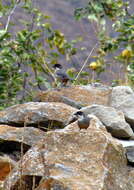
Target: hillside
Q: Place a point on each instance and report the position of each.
(62, 18)
(62, 12)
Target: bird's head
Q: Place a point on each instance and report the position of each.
(57, 66)
(79, 114)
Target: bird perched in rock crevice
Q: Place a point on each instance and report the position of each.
(82, 119)
(60, 75)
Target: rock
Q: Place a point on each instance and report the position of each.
(51, 184)
(126, 143)
(122, 98)
(72, 125)
(27, 135)
(112, 119)
(131, 179)
(78, 96)
(1, 185)
(130, 154)
(41, 114)
(70, 102)
(129, 148)
(69, 159)
(13, 140)
(6, 165)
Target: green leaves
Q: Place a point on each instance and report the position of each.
(27, 56)
(3, 35)
(116, 11)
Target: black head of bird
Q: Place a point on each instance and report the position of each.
(57, 66)
(83, 120)
(60, 74)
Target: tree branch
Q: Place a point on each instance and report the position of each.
(85, 62)
(9, 16)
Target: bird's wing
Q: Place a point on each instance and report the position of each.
(62, 75)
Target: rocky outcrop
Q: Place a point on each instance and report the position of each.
(12, 141)
(122, 98)
(39, 152)
(73, 159)
(41, 114)
(112, 119)
(27, 135)
(78, 96)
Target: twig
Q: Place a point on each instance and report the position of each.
(85, 62)
(22, 151)
(36, 77)
(9, 16)
(49, 70)
(33, 184)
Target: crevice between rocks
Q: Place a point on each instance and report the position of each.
(12, 149)
(43, 125)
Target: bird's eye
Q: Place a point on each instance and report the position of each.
(79, 113)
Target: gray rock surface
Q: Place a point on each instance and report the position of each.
(79, 95)
(69, 158)
(126, 143)
(131, 179)
(27, 135)
(130, 154)
(74, 160)
(122, 98)
(37, 113)
(112, 119)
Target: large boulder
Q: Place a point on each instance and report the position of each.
(73, 159)
(14, 142)
(78, 96)
(122, 98)
(112, 119)
(26, 135)
(41, 114)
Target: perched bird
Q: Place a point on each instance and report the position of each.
(83, 120)
(61, 75)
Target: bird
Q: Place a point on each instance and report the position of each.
(83, 120)
(60, 75)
